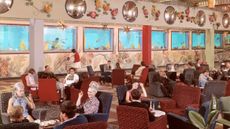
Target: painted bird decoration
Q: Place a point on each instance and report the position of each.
(114, 13)
(93, 14)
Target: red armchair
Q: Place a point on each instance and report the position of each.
(227, 90)
(48, 91)
(144, 75)
(118, 77)
(91, 125)
(27, 88)
(183, 96)
(137, 118)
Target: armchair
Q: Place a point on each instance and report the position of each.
(154, 88)
(182, 97)
(225, 108)
(27, 88)
(92, 125)
(176, 121)
(104, 108)
(20, 126)
(38, 113)
(121, 94)
(118, 77)
(137, 118)
(227, 90)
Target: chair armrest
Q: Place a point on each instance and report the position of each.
(167, 104)
(159, 123)
(5, 118)
(39, 113)
(97, 117)
(194, 106)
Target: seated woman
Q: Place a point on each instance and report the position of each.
(19, 99)
(30, 79)
(136, 85)
(92, 103)
(71, 78)
(16, 115)
(138, 72)
(204, 78)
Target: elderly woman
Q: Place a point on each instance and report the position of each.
(92, 103)
(136, 85)
(19, 99)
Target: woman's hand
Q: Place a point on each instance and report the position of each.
(80, 94)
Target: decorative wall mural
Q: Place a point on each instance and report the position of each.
(159, 40)
(218, 40)
(5, 5)
(46, 7)
(226, 20)
(180, 40)
(14, 38)
(130, 40)
(198, 40)
(58, 39)
(75, 8)
(93, 14)
(130, 11)
(226, 38)
(98, 39)
(200, 18)
(170, 15)
(155, 13)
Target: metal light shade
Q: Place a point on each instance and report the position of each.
(5, 5)
(130, 11)
(225, 21)
(200, 18)
(75, 8)
(170, 15)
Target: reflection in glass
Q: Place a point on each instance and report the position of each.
(130, 11)
(198, 40)
(98, 39)
(131, 40)
(218, 40)
(75, 8)
(14, 38)
(58, 39)
(180, 40)
(170, 15)
(159, 40)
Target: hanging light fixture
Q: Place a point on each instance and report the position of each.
(211, 3)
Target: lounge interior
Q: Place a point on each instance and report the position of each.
(174, 55)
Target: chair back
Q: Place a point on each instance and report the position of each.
(90, 70)
(189, 76)
(102, 68)
(91, 125)
(134, 69)
(216, 88)
(185, 95)
(105, 101)
(5, 96)
(25, 125)
(227, 89)
(23, 79)
(225, 104)
(74, 94)
(118, 77)
(121, 93)
(132, 117)
(144, 75)
(47, 90)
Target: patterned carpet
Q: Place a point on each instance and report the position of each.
(53, 112)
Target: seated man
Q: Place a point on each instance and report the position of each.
(139, 71)
(136, 102)
(68, 116)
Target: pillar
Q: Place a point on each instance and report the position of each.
(209, 49)
(146, 44)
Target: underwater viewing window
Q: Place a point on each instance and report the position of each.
(130, 40)
(218, 40)
(98, 39)
(198, 40)
(159, 40)
(180, 40)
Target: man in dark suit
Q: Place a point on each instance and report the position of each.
(68, 116)
(136, 102)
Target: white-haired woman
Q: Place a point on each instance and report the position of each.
(19, 99)
(92, 104)
(136, 85)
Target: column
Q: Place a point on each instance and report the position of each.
(209, 49)
(146, 44)
(36, 44)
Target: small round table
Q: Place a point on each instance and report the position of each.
(158, 113)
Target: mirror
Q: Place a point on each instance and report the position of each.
(130, 11)
(5, 5)
(170, 15)
(75, 8)
(200, 18)
(225, 21)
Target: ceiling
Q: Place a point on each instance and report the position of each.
(220, 5)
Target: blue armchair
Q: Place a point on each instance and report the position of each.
(182, 122)
(26, 125)
(104, 108)
(121, 94)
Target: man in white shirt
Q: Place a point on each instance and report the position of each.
(71, 78)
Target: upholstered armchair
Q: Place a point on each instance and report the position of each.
(104, 108)
(176, 121)
(38, 113)
(182, 97)
(25, 125)
(91, 125)
(28, 89)
(121, 94)
(227, 90)
(154, 89)
(216, 88)
(138, 118)
(225, 108)
(118, 77)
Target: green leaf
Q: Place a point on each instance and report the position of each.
(224, 122)
(212, 117)
(196, 119)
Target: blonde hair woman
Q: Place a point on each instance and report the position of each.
(92, 104)
(19, 99)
